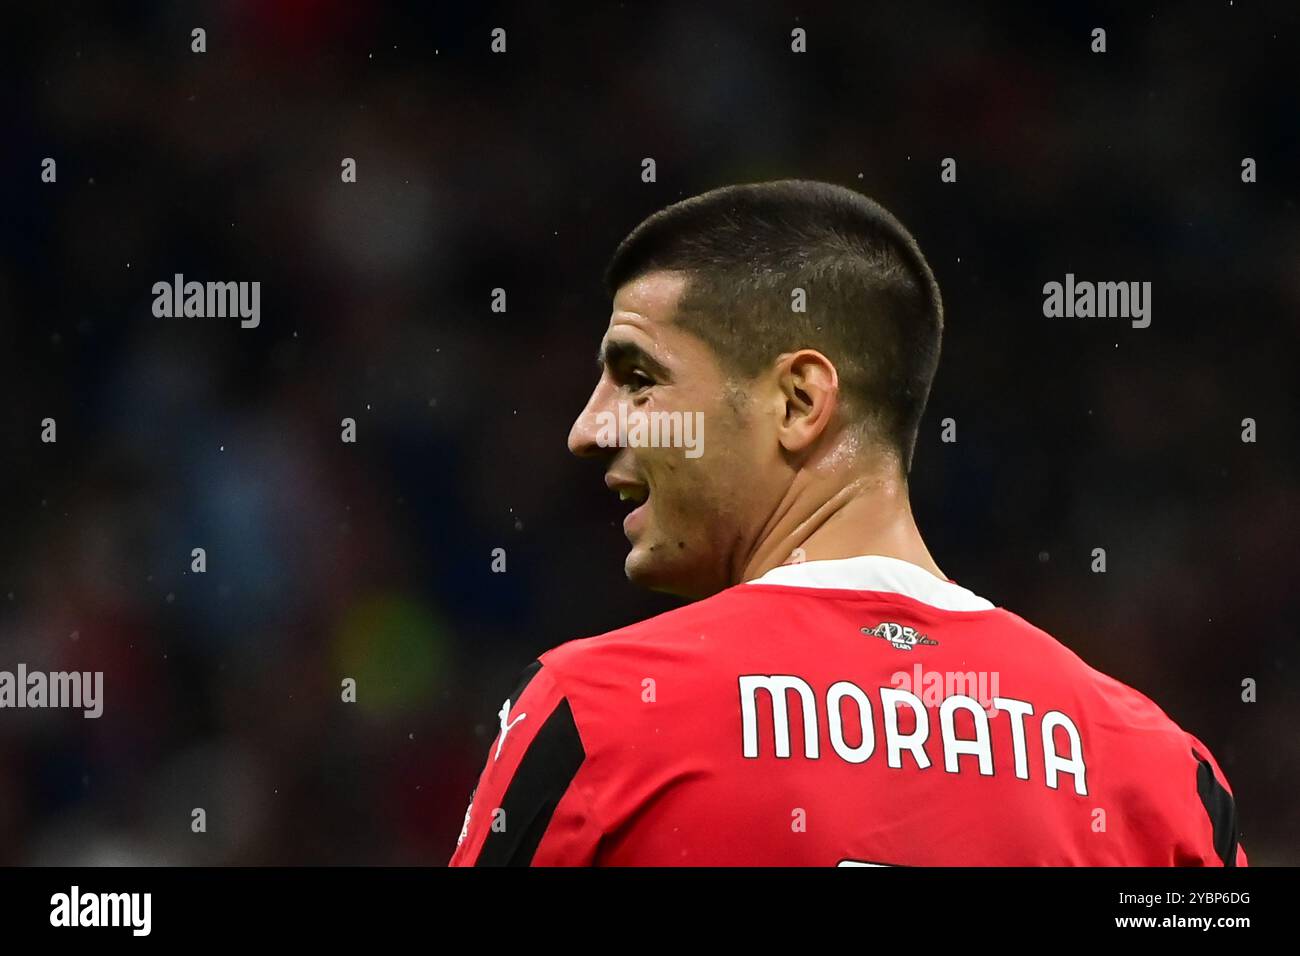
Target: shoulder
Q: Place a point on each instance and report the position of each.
(1168, 765)
(609, 678)
(673, 632)
(1100, 693)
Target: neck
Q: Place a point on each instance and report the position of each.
(839, 515)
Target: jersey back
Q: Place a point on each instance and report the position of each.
(854, 712)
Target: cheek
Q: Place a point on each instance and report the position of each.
(706, 493)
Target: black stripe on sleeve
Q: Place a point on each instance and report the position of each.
(1222, 811)
(525, 679)
(543, 776)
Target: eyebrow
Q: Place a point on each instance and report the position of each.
(616, 353)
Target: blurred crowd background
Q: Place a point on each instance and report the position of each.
(523, 171)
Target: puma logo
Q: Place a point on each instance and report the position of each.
(505, 727)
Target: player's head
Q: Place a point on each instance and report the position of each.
(800, 323)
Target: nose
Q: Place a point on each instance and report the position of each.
(584, 435)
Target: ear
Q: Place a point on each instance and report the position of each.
(810, 390)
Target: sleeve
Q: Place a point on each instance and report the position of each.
(528, 808)
(1222, 844)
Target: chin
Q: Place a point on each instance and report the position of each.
(646, 569)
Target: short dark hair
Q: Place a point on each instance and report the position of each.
(872, 304)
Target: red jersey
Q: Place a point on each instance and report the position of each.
(850, 712)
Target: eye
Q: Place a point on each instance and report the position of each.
(638, 380)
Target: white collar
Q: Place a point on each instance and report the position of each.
(876, 572)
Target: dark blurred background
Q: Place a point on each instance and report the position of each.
(523, 171)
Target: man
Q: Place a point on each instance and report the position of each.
(833, 698)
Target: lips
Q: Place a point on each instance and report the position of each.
(635, 493)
